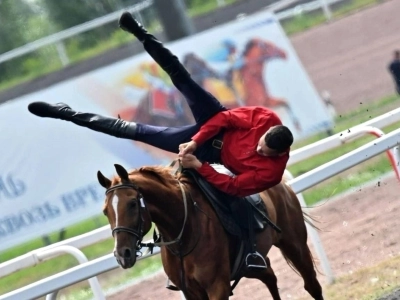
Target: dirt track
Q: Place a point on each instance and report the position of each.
(349, 58)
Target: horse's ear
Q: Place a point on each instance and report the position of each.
(122, 172)
(104, 181)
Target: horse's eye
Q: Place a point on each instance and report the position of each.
(132, 203)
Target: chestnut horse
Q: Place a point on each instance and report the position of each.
(196, 251)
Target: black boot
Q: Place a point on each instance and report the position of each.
(112, 126)
(129, 24)
(166, 60)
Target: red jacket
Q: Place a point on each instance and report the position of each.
(243, 128)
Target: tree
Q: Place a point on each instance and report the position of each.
(12, 16)
(66, 14)
(174, 18)
(12, 34)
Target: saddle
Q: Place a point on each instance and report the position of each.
(231, 210)
(241, 217)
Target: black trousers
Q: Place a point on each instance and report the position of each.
(203, 106)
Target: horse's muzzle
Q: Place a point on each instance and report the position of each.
(125, 257)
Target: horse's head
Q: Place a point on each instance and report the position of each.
(125, 211)
(258, 48)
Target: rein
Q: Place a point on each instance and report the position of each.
(178, 239)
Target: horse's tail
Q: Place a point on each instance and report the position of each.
(307, 252)
(307, 218)
(292, 265)
(310, 220)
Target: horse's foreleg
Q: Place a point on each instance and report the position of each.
(220, 290)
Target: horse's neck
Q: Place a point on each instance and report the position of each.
(164, 205)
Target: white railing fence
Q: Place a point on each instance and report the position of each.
(298, 184)
(338, 139)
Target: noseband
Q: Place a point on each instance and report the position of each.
(136, 232)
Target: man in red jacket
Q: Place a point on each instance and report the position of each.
(249, 141)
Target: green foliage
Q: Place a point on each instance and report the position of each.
(12, 14)
(12, 34)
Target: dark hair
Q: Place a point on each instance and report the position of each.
(279, 138)
(397, 53)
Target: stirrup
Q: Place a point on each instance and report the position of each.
(256, 261)
(170, 286)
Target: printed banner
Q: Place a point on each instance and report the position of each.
(48, 167)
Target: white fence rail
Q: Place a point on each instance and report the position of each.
(355, 157)
(299, 184)
(31, 258)
(341, 137)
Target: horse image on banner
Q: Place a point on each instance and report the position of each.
(243, 84)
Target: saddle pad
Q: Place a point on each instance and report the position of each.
(219, 201)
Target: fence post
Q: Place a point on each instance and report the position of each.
(62, 53)
(326, 9)
(221, 2)
(316, 241)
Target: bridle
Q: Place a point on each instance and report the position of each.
(138, 232)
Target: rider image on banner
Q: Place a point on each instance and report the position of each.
(48, 168)
(246, 62)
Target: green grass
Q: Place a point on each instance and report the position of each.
(369, 283)
(341, 183)
(206, 8)
(114, 279)
(306, 21)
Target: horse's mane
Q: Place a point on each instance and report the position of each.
(248, 47)
(161, 173)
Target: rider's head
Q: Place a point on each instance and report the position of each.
(397, 54)
(276, 141)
